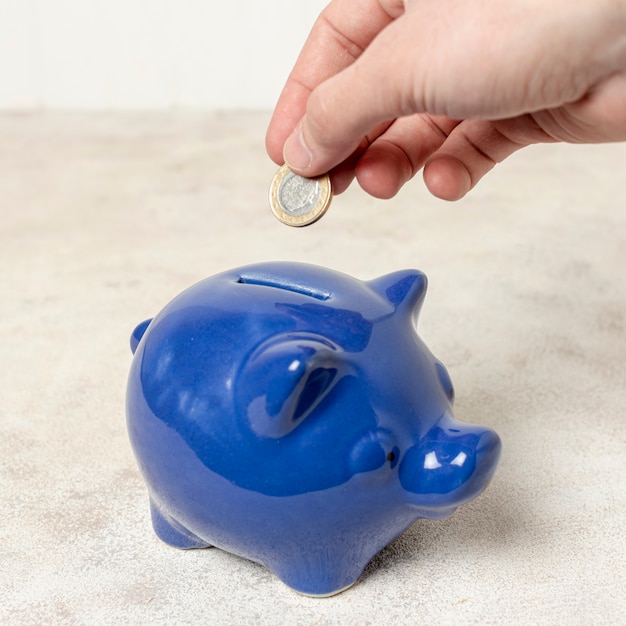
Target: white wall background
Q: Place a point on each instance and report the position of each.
(149, 54)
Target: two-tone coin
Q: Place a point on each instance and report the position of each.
(299, 201)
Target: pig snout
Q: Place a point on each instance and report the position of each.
(449, 466)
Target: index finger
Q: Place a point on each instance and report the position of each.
(340, 34)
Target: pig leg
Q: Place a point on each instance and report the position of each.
(317, 577)
(172, 533)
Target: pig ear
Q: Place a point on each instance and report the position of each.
(283, 381)
(138, 333)
(404, 289)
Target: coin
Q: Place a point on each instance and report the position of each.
(299, 201)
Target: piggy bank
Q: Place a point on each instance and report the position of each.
(291, 415)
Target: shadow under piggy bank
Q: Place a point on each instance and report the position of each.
(291, 415)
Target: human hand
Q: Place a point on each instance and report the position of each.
(384, 88)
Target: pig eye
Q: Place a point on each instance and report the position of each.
(373, 451)
(393, 456)
(446, 383)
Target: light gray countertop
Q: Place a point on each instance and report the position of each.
(105, 218)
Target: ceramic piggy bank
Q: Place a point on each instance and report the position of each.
(291, 415)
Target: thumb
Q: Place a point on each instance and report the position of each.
(347, 109)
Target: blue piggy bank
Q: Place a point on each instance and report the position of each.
(291, 415)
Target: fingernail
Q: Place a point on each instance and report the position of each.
(295, 152)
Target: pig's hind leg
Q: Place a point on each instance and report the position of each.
(172, 533)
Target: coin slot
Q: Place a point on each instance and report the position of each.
(277, 283)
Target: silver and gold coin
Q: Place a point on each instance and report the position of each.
(299, 201)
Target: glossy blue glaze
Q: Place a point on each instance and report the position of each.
(291, 415)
